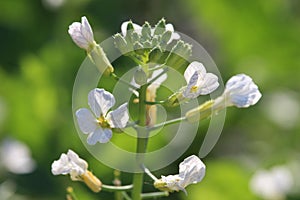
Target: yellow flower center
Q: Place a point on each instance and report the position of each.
(103, 122)
(194, 88)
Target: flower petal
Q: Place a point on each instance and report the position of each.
(191, 170)
(81, 165)
(81, 33)
(86, 120)
(86, 30)
(173, 182)
(137, 28)
(242, 91)
(188, 92)
(100, 101)
(99, 135)
(192, 68)
(60, 166)
(208, 84)
(119, 117)
(175, 36)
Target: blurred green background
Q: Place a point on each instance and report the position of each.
(39, 61)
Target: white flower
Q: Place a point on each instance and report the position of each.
(199, 82)
(16, 157)
(241, 91)
(70, 163)
(191, 171)
(138, 29)
(76, 167)
(99, 123)
(82, 34)
(273, 184)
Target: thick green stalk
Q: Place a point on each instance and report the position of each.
(142, 139)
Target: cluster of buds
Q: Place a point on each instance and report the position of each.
(148, 44)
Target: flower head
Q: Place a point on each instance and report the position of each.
(76, 167)
(191, 171)
(199, 82)
(241, 91)
(82, 34)
(99, 122)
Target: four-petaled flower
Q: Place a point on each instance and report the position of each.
(241, 91)
(82, 34)
(99, 123)
(199, 82)
(191, 171)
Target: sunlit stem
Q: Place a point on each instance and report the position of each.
(148, 172)
(154, 195)
(136, 60)
(122, 81)
(112, 188)
(166, 123)
(142, 140)
(154, 102)
(125, 195)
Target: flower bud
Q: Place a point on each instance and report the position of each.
(140, 76)
(160, 27)
(121, 44)
(178, 55)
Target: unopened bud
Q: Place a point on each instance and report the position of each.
(160, 27)
(165, 38)
(179, 54)
(140, 76)
(146, 30)
(121, 44)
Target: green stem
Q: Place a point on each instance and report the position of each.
(125, 195)
(118, 195)
(142, 140)
(112, 188)
(153, 195)
(136, 60)
(172, 121)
